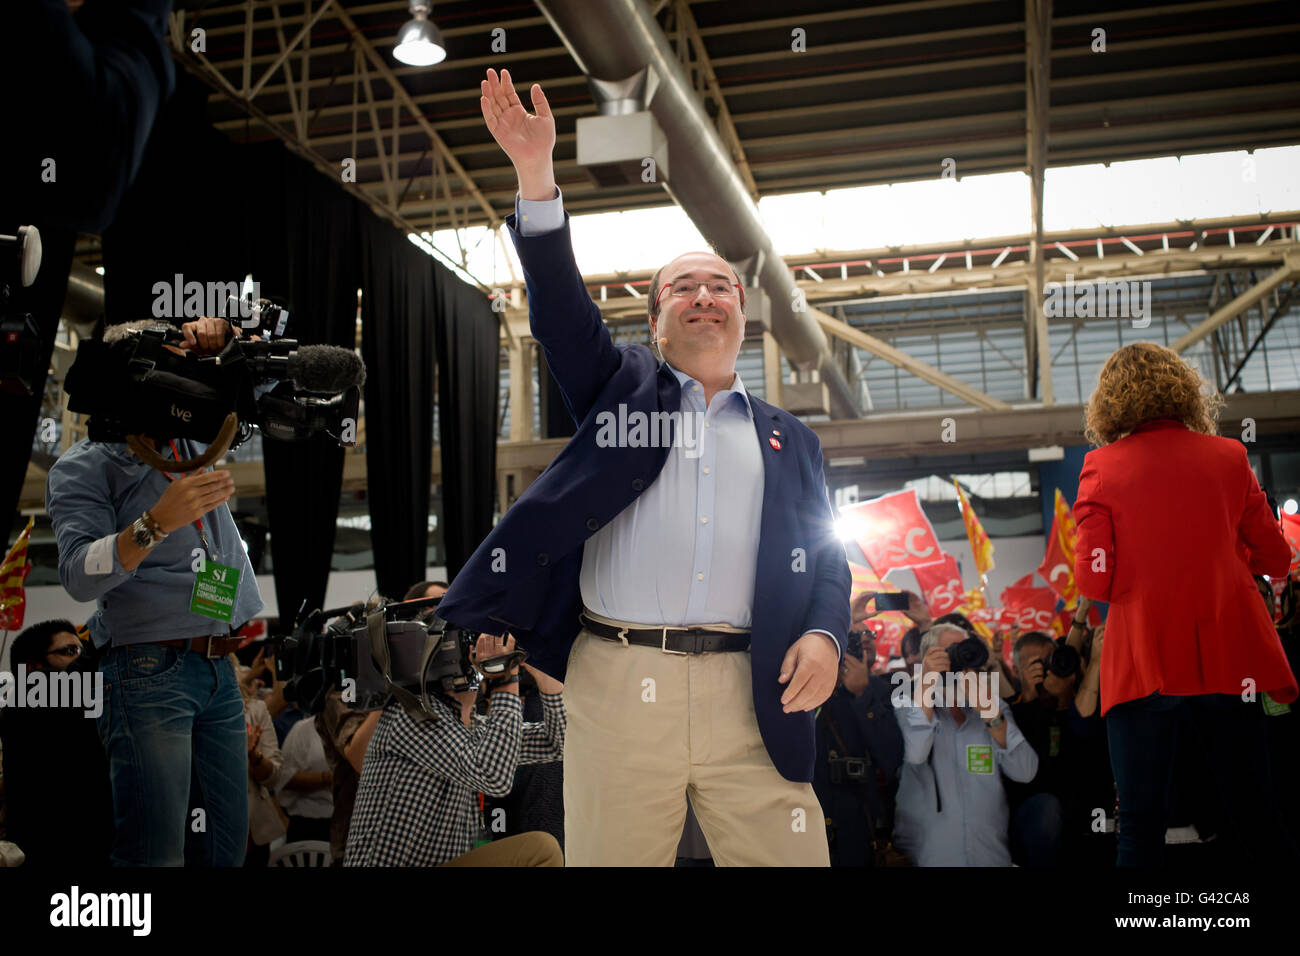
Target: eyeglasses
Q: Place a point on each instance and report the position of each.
(68, 650)
(719, 288)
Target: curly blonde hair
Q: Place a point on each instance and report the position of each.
(1145, 381)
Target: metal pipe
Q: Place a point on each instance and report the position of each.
(614, 38)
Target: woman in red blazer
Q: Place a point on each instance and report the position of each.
(1171, 524)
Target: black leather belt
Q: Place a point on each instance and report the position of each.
(670, 640)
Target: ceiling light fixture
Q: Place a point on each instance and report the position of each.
(419, 42)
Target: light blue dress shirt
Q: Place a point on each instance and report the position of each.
(971, 829)
(96, 489)
(685, 552)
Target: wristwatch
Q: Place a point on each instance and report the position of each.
(995, 722)
(146, 532)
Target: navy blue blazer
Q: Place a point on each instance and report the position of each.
(524, 577)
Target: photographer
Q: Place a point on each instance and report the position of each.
(1051, 819)
(859, 750)
(952, 809)
(131, 538)
(416, 802)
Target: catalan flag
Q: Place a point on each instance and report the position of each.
(865, 579)
(1057, 568)
(13, 572)
(980, 544)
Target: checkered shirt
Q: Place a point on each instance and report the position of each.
(416, 803)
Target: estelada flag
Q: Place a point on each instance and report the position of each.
(941, 586)
(13, 572)
(980, 544)
(1291, 530)
(893, 531)
(1057, 568)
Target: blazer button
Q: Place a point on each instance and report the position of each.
(637, 484)
(543, 560)
(592, 524)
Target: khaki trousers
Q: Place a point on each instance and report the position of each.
(524, 849)
(646, 728)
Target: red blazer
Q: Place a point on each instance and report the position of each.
(1181, 522)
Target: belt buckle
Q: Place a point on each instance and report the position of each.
(207, 654)
(663, 644)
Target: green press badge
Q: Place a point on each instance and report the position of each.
(1272, 707)
(979, 758)
(214, 591)
(1054, 747)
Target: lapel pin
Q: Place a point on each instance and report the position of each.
(776, 431)
(776, 445)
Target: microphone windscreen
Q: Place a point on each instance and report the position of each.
(325, 368)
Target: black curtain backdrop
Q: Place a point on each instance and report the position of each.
(468, 383)
(398, 309)
(555, 418)
(307, 248)
(213, 210)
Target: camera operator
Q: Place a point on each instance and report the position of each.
(859, 751)
(952, 809)
(1051, 819)
(416, 802)
(130, 539)
(345, 734)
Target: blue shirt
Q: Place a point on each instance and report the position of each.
(684, 553)
(971, 829)
(96, 489)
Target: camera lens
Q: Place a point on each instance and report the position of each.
(968, 655)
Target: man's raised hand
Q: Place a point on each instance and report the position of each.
(528, 139)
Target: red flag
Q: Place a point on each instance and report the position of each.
(889, 628)
(1029, 609)
(13, 573)
(1291, 530)
(1057, 568)
(893, 531)
(941, 586)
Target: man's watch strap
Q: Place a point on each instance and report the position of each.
(141, 535)
(154, 527)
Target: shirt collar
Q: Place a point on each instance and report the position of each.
(737, 386)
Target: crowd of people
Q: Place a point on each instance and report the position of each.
(898, 784)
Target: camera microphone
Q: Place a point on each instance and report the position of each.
(325, 368)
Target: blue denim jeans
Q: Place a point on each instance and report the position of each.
(1231, 737)
(1036, 831)
(173, 729)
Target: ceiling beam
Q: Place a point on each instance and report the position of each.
(726, 128)
(1290, 269)
(439, 145)
(869, 343)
